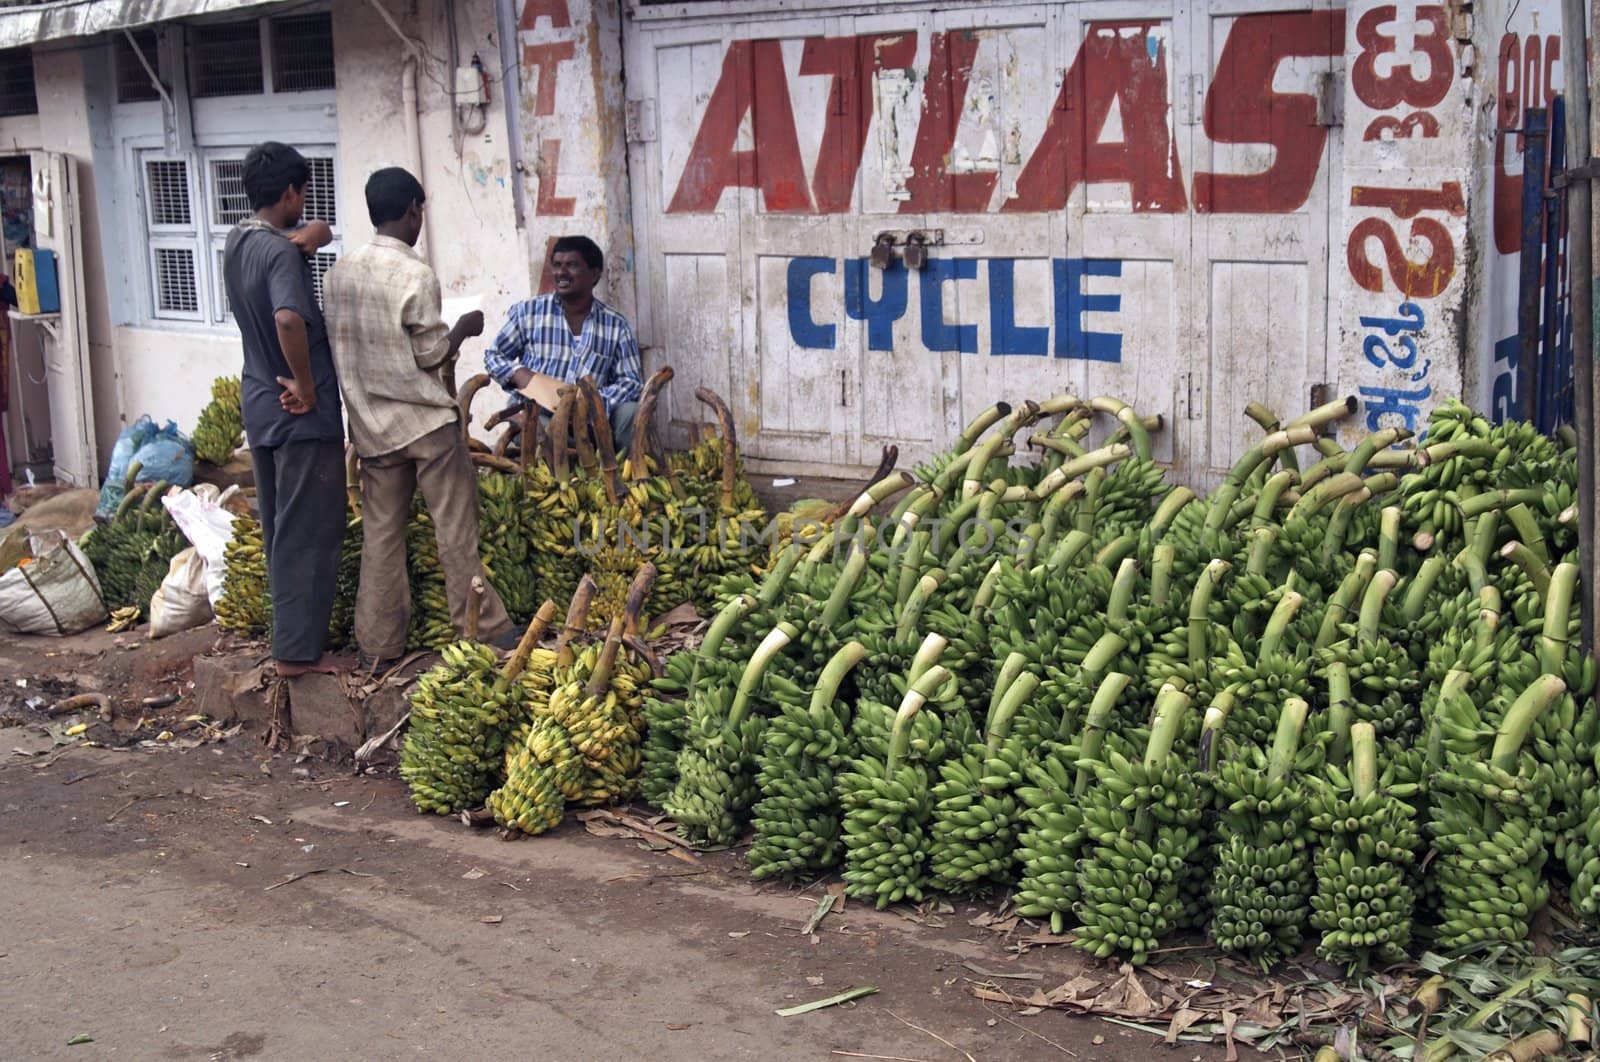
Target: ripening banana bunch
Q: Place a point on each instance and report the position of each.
(1487, 825)
(976, 813)
(602, 718)
(666, 722)
(220, 429)
(1367, 837)
(1263, 872)
(245, 607)
(541, 776)
(1142, 822)
(454, 749)
(430, 606)
(798, 820)
(887, 808)
(503, 518)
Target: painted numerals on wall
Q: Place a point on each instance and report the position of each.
(1067, 336)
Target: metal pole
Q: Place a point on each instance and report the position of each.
(1574, 31)
(1534, 126)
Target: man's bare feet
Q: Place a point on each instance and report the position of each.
(326, 665)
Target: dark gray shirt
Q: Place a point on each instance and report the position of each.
(265, 273)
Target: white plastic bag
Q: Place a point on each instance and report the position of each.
(57, 593)
(180, 602)
(200, 515)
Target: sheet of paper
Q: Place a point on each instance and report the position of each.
(542, 390)
(453, 307)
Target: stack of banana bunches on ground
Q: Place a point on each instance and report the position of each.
(1340, 703)
(551, 515)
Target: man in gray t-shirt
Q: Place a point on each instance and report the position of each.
(291, 404)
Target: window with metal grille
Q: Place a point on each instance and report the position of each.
(225, 60)
(166, 184)
(177, 289)
(322, 199)
(302, 53)
(321, 262)
(133, 80)
(230, 203)
(16, 83)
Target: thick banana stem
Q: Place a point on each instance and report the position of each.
(1368, 448)
(1490, 500)
(986, 589)
(1171, 703)
(1553, 640)
(730, 444)
(1200, 610)
(1117, 551)
(1168, 511)
(1271, 492)
(605, 442)
(600, 678)
(1122, 592)
(561, 431)
(1421, 585)
(1055, 507)
(530, 637)
(1268, 448)
(1286, 742)
(582, 437)
(910, 705)
(1363, 760)
(730, 616)
(639, 451)
(1526, 527)
(1105, 649)
(1093, 483)
(1454, 684)
(980, 424)
(927, 586)
(833, 611)
(843, 661)
(1211, 727)
(1518, 722)
(1531, 566)
(1341, 711)
(910, 562)
(1068, 550)
(1014, 665)
(638, 593)
(1372, 605)
(1261, 540)
(927, 655)
(1058, 404)
(776, 641)
(1166, 556)
(1094, 727)
(464, 397)
(1278, 623)
(1487, 627)
(1327, 413)
(1389, 537)
(1130, 420)
(1015, 698)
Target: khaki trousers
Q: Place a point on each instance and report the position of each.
(438, 463)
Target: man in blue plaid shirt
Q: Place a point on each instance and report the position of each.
(562, 337)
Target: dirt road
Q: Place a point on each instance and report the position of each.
(151, 903)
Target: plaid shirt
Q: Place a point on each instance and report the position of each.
(536, 337)
(382, 306)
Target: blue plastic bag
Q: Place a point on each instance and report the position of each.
(166, 455)
(129, 440)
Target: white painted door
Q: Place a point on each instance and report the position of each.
(57, 227)
(1264, 158)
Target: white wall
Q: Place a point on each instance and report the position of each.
(476, 247)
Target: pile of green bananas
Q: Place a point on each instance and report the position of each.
(1366, 840)
(245, 607)
(220, 429)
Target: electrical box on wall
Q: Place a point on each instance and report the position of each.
(35, 282)
(469, 87)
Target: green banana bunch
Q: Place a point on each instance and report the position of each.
(1263, 865)
(1052, 834)
(245, 607)
(454, 750)
(798, 823)
(886, 811)
(975, 809)
(1142, 823)
(1366, 843)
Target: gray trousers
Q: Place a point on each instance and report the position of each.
(300, 492)
(439, 465)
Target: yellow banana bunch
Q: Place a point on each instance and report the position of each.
(220, 429)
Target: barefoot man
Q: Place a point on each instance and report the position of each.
(291, 403)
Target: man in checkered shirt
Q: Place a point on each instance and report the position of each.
(562, 337)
